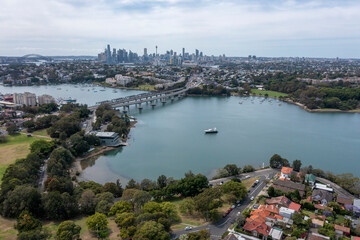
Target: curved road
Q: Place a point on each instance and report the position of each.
(217, 229)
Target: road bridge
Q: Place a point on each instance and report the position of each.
(137, 100)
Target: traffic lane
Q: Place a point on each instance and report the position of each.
(222, 225)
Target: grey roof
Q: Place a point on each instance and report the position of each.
(319, 195)
(290, 184)
(105, 134)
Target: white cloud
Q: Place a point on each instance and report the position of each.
(55, 27)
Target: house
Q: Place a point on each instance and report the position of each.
(317, 223)
(289, 186)
(281, 201)
(342, 200)
(323, 187)
(286, 212)
(233, 236)
(257, 228)
(356, 207)
(310, 179)
(341, 230)
(355, 238)
(294, 206)
(322, 196)
(316, 236)
(286, 172)
(276, 233)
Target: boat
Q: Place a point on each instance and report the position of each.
(211, 130)
(69, 100)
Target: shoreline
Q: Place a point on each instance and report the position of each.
(76, 165)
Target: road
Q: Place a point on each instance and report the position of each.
(336, 187)
(217, 229)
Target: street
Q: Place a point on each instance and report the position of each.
(217, 229)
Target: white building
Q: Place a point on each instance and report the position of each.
(45, 99)
(323, 187)
(123, 80)
(286, 212)
(276, 233)
(110, 81)
(28, 99)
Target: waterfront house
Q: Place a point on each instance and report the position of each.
(322, 196)
(343, 200)
(110, 139)
(286, 172)
(289, 186)
(310, 179)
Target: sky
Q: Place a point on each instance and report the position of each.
(268, 28)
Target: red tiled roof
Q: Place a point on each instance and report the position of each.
(270, 208)
(259, 227)
(318, 206)
(294, 206)
(344, 200)
(342, 228)
(286, 170)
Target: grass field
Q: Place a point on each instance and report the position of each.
(17, 146)
(249, 182)
(270, 93)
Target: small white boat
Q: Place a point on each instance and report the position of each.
(211, 130)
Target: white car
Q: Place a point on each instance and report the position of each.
(233, 206)
(252, 198)
(188, 228)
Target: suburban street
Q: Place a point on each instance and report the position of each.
(218, 228)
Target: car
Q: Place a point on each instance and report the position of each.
(252, 198)
(257, 181)
(228, 211)
(248, 190)
(233, 206)
(225, 215)
(238, 201)
(188, 228)
(239, 205)
(246, 177)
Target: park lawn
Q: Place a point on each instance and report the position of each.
(7, 231)
(249, 182)
(186, 220)
(16, 147)
(308, 213)
(339, 220)
(42, 133)
(270, 93)
(146, 87)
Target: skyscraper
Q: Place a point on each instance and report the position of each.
(145, 52)
(197, 53)
(183, 54)
(108, 54)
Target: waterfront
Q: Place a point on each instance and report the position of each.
(170, 140)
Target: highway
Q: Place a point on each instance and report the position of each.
(217, 229)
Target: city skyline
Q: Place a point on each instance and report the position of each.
(276, 28)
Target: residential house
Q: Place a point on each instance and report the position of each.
(233, 236)
(343, 200)
(276, 233)
(317, 223)
(316, 236)
(257, 228)
(341, 230)
(322, 196)
(310, 178)
(286, 172)
(286, 212)
(355, 238)
(356, 207)
(323, 187)
(281, 201)
(294, 206)
(289, 186)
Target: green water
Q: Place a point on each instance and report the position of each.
(169, 139)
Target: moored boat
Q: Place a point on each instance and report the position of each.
(211, 130)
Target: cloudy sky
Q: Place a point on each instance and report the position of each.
(309, 28)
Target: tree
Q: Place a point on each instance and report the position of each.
(187, 206)
(235, 189)
(98, 224)
(297, 218)
(140, 198)
(120, 207)
(88, 202)
(296, 165)
(232, 169)
(162, 181)
(200, 235)
(151, 230)
(131, 184)
(22, 198)
(276, 161)
(208, 200)
(42, 147)
(68, 230)
(37, 234)
(12, 129)
(248, 168)
(26, 222)
(192, 185)
(116, 190)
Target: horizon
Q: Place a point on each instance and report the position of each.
(278, 28)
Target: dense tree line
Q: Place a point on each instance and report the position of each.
(41, 109)
(210, 90)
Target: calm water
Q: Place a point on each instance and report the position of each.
(170, 140)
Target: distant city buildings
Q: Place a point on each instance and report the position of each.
(45, 99)
(123, 80)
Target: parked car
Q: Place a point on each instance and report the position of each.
(225, 215)
(188, 228)
(246, 177)
(252, 198)
(233, 206)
